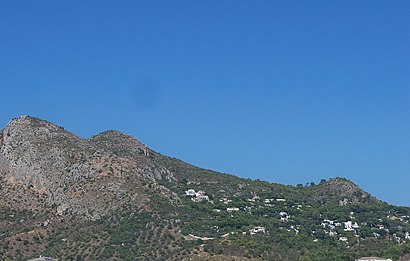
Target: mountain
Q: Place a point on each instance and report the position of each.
(110, 197)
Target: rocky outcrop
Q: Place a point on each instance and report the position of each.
(125, 146)
(405, 258)
(342, 192)
(65, 171)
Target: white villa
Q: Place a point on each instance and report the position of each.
(344, 239)
(257, 230)
(372, 258)
(190, 192)
(253, 199)
(197, 196)
(284, 216)
(225, 200)
(349, 226)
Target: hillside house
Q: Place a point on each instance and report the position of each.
(253, 199)
(372, 258)
(225, 200)
(284, 216)
(200, 197)
(42, 258)
(344, 239)
(197, 196)
(332, 233)
(257, 230)
(190, 192)
(328, 221)
(348, 226)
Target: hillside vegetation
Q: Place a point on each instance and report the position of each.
(110, 197)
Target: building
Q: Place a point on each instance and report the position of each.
(372, 258)
(197, 196)
(348, 226)
(190, 192)
(42, 258)
(257, 230)
(284, 216)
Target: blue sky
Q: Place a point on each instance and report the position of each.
(284, 91)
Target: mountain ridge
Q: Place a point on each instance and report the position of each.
(60, 193)
(116, 137)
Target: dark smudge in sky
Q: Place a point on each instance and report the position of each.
(145, 94)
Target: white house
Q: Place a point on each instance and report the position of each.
(42, 258)
(197, 196)
(200, 197)
(190, 192)
(232, 209)
(329, 221)
(257, 230)
(284, 216)
(225, 200)
(332, 233)
(348, 226)
(254, 198)
(373, 258)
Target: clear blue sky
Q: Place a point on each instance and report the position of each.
(284, 91)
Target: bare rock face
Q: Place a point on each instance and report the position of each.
(66, 171)
(125, 146)
(120, 143)
(405, 258)
(342, 191)
(33, 151)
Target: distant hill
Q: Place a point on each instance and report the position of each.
(110, 197)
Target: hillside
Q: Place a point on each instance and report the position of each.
(110, 197)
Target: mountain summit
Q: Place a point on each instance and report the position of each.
(110, 197)
(59, 167)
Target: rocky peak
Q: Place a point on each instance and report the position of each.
(39, 156)
(342, 191)
(31, 130)
(342, 183)
(115, 134)
(26, 122)
(120, 143)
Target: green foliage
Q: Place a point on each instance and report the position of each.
(164, 229)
